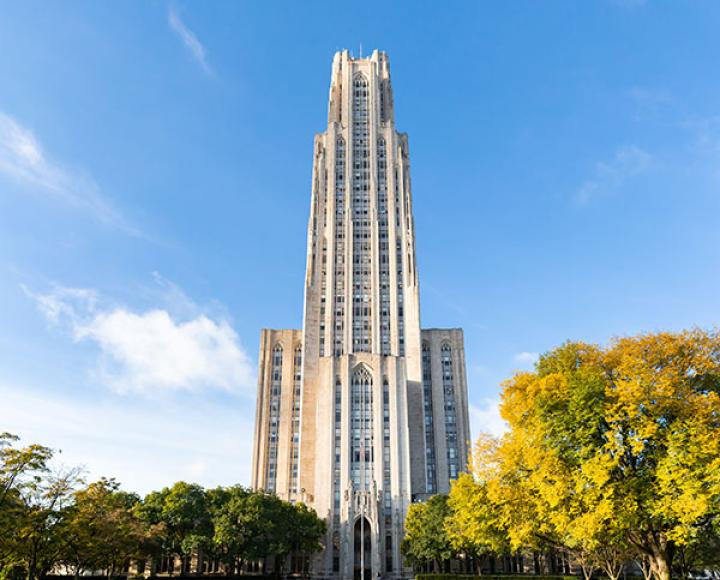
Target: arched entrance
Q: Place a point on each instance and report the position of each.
(363, 550)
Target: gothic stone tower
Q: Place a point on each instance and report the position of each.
(361, 412)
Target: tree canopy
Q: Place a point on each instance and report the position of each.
(51, 519)
(611, 453)
(425, 538)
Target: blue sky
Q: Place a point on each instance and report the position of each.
(155, 163)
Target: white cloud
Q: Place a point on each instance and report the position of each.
(144, 446)
(609, 176)
(63, 302)
(189, 40)
(151, 352)
(486, 418)
(526, 358)
(23, 160)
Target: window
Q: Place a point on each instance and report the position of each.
(361, 429)
(336, 466)
(430, 473)
(339, 282)
(361, 326)
(383, 256)
(446, 361)
(387, 472)
(295, 441)
(400, 272)
(274, 416)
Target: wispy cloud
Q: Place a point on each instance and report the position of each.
(23, 160)
(189, 39)
(526, 359)
(151, 351)
(609, 176)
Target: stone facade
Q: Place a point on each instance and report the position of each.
(361, 412)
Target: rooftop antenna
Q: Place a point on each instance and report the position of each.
(361, 50)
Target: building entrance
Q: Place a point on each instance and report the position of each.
(363, 550)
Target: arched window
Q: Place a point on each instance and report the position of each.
(361, 429)
(274, 416)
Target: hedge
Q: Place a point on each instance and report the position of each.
(491, 577)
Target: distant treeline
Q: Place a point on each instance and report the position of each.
(52, 521)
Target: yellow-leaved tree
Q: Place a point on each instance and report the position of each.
(611, 453)
(473, 526)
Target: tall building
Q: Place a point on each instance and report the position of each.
(361, 412)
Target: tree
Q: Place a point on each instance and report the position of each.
(473, 527)
(271, 520)
(45, 521)
(703, 554)
(181, 511)
(253, 525)
(425, 539)
(233, 526)
(33, 502)
(16, 465)
(612, 447)
(101, 529)
(306, 530)
(39, 530)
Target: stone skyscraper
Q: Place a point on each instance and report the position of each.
(361, 412)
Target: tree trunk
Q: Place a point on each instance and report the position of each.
(32, 565)
(662, 567)
(662, 558)
(645, 567)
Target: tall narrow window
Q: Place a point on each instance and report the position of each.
(384, 247)
(274, 416)
(361, 428)
(430, 465)
(336, 451)
(315, 209)
(338, 305)
(361, 315)
(323, 294)
(450, 412)
(387, 470)
(400, 298)
(399, 270)
(295, 442)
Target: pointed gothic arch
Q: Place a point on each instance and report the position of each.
(362, 440)
(360, 80)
